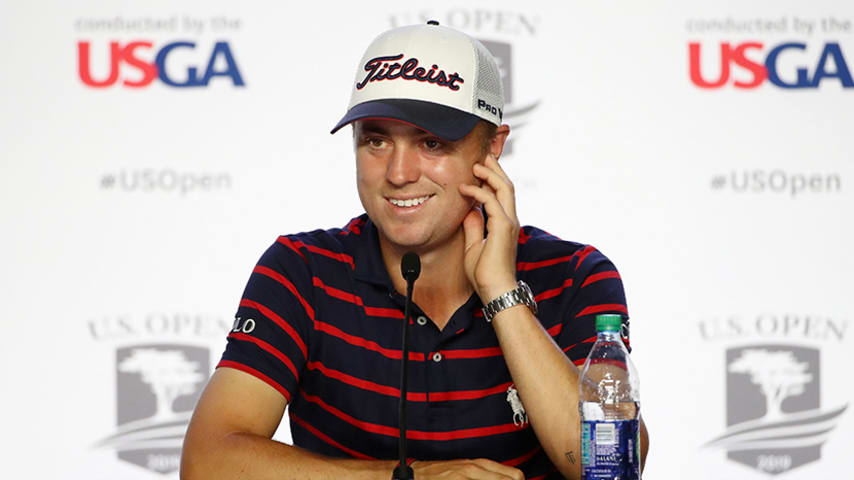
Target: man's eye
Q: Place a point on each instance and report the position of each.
(374, 142)
(432, 144)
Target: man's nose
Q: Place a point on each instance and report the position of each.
(404, 166)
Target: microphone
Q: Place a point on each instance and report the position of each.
(410, 268)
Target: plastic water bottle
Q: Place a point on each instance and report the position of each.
(609, 406)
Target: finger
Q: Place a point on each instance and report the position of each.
(491, 161)
(463, 469)
(473, 228)
(502, 186)
(491, 176)
(500, 469)
(490, 202)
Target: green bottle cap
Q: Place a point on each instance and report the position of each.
(609, 322)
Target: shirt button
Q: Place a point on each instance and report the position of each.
(422, 320)
(437, 357)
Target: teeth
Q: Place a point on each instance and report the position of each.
(409, 202)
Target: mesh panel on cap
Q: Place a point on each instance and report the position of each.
(488, 85)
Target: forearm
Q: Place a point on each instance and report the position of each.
(547, 383)
(548, 386)
(249, 456)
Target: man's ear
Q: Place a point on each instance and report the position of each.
(496, 144)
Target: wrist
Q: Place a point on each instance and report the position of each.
(492, 292)
(364, 469)
(520, 295)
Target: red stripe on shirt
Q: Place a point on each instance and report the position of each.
(279, 321)
(341, 257)
(602, 308)
(600, 276)
(354, 226)
(583, 255)
(468, 394)
(413, 434)
(521, 459)
(337, 293)
(472, 353)
(255, 373)
(287, 283)
(326, 438)
(384, 312)
(356, 300)
(555, 330)
(554, 291)
(364, 384)
(586, 340)
(288, 243)
(267, 348)
(523, 237)
(411, 396)
(367, 344)
(523, 266)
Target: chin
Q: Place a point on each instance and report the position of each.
(407, 239)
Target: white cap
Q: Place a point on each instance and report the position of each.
(434, 77)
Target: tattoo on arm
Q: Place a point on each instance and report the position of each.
(571, 457)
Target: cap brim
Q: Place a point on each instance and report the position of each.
(440, 120)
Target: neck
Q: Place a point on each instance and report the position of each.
(442, 285)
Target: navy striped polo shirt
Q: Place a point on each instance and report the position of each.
(321, 323)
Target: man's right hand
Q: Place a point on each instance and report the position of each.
(478, 469)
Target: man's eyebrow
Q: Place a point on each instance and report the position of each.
(375, 129)
(378, 129)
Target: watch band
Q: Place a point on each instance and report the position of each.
(520, 295)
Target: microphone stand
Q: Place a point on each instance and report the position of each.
(410, 266)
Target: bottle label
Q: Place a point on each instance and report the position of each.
(610, 450)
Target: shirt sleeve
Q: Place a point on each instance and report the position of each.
(597, 288)
(274, 321)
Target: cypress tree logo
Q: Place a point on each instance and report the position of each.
(157, 387)
(774, 417)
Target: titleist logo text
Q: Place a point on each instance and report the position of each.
(380, 68)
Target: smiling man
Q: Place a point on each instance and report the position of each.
(503, 313)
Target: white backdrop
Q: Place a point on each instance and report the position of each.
(132, 216)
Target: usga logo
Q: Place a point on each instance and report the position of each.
(128, 54)
(157, 386)
(830, 66)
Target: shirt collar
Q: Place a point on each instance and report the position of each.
(369, 264)
(370, 268)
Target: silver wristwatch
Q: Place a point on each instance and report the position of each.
(519, 295)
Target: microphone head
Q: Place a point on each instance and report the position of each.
(410, 266)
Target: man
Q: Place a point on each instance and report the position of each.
(492, 391)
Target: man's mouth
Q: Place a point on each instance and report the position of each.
(409, 202)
